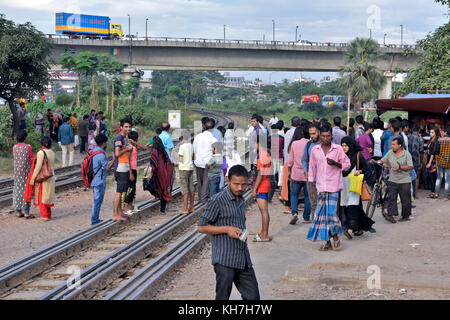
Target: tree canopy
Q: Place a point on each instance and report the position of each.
(433, 72)
(24, 62)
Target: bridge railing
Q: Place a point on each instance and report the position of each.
(303, 43)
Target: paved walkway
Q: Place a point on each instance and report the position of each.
(412, 256)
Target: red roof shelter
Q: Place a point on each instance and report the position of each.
(434, 108)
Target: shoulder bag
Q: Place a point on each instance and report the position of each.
(46, 171)
(366, 195)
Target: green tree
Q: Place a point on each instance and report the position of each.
(69, 61)
(198, 89)
(433, 71)
(174, 94)
(361, 79)
(24, 62)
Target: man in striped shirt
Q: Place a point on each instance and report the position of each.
(224, 219)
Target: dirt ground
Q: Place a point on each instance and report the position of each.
(412, 259)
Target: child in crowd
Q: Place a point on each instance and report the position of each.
(186, 172)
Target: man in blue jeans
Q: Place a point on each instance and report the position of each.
(99, 166)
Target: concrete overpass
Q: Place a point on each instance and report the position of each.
(207, 54)
(204, 54)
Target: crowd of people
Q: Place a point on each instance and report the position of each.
(312, 162)
(323, 160)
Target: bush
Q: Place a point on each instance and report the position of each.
(65, 100)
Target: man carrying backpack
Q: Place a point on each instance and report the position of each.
(99, 168)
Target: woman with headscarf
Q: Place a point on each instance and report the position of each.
(162, 170)
(356, 220)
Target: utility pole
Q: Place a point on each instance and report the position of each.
(146, 21)
(264, 38)
(273, 22)
(223, 33)
(370, 33)
(296, 28)
(129, 34)
(384, 39)
(401, 32)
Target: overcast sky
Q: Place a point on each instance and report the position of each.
(318, 20)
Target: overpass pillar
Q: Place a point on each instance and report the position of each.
(386, 92)
(127, 73)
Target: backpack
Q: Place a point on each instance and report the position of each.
(87, 168)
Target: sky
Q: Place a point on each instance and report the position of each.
(319, 20)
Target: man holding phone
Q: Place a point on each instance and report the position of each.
(224, 219)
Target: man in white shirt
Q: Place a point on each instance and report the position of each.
(274, 119)
(203, 153)
(295, 122)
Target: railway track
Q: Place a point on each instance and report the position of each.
(103, 252)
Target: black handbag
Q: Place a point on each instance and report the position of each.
(150, 184)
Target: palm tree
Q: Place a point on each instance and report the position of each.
(360, 78)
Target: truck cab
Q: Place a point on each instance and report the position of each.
(115, 30)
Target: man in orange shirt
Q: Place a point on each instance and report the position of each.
(261, 187)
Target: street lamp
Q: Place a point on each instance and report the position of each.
(296, 28)
(401, 39)
(223, 33)
(370, 30)
(146, 21)
(129, 34)
(384, 39)
(273, 22)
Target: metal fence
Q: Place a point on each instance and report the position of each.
(303, 43)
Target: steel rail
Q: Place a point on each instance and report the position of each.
(24, 269)
(145, 283)
(120, 261)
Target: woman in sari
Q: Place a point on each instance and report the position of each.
(43, 192)
(23, 155)
(162, 170)
(356, 221)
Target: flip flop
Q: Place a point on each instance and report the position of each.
(294, 220)
(258, 239)
(30, 216)
(339, 246)
(119, 219)
(19, 215)
(182, 212)
(326, 247)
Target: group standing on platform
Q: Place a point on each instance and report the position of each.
(312, 163)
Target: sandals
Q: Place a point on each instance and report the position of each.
(338, 246)
(258, 239)
(294, 219)
(119, 219)
(433, 196)
(19, 214)
(326, 247)
(43, 219)
(348, 235)
(358, 233)
(29, 216)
